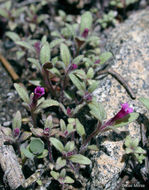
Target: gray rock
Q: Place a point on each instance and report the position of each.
(129, 43)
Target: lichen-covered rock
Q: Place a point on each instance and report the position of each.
(129, 43)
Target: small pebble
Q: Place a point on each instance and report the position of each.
(7, 123)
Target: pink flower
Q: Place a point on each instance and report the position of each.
(16, 132)
(46, 131)
(37, 47)
(125, 110)
(38, 92)
(74, 66)
(88, 97)
(68, 111)
(85, 33)
(97, 61)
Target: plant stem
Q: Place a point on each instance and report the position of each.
(33, 116)
(93, 134)
(48, 83)
(50, 151)
(63, 88)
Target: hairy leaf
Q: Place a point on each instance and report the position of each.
(80, 159)
(22, 92)
(57, 144)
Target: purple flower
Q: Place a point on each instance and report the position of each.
(88, 97)
(16, 132)
(68, 111)
(38, 92)
(46, 131)
(85, 33)
(125, 110)
(66, 133)
(37, 47)
(97, 61)
(74, 66)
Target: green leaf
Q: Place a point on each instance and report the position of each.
(70, 146)
(80, 159)
(25, 135)
(25, 45)
(36, 146)
(93, 85)
(4, 13)
(54, 174)
(145, 101)
(128, 141)
(48, 122)
(13, 36)
(90, 73)
(97, 110)
(20, 54)
(22, 93)
(62, 125)
(35, 62)
(57, 144)
(45, 53)
(140, 158)
(60, 163)
(68, 180)
(43, 40)
(78, 108)
(80, 128)
(70, 28)
(70, 128)
(80, 85)
(42, 17)
(38, 132)
(8, 5)
(65, 54)
(44, 154)
(17, 121)
(80, 73)
(93, 147)
(78, 59)
(35, 82)
(27, 153)
(140, 150)
(12, 25)
(86, 21)
(105, 57)
(56, 42)
(126, 120)
(47, 103)
(62, 173)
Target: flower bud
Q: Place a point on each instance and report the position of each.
(16, 132)
(85, 33)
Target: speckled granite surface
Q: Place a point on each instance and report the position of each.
(129, 42)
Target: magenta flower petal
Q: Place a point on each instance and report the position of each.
(37, 47)
(74, 66)
(68, 111)
(97, 61)
(88, 97)
(38, 92)
(16, 132)
(85, 33)
(46, 131)
(125, 110)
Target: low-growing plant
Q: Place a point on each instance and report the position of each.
(122, 3)
(64, 114)
(108, 19)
